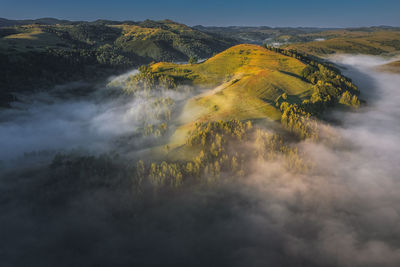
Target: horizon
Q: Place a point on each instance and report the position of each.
(311, 13)
(203, 25)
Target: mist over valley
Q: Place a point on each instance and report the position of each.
(120, 147)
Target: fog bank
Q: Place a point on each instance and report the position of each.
(345, 211)
(47, 123)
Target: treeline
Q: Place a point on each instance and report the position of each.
(39, 70)
(225, 150)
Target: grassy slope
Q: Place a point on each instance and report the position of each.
(30, 38)
(391, 67)
(247, 80)
(355, 42)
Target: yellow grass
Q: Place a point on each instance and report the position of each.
(244, 82)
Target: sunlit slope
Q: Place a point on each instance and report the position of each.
(244, 82)
(28, 38)
(352, 42)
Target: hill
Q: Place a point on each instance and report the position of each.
(246, 80)
(168, 40)
(155, 40)
(251, 83)
(41, 55)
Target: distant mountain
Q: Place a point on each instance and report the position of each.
(44, 21)
(277, 36)
(262, 34)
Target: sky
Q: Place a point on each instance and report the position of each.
(316, 13)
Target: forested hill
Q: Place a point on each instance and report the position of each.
(46, 52)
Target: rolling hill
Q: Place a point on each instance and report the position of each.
(152, 40)
(168, 40)
(372, 42)
(264, 34)
(42, 55)
(279, 36)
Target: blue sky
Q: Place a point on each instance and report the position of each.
(339, 13)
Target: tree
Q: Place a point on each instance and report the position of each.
(193, 60)
(345, 99)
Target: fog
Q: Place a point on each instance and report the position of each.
(344, 212)
(47, 123)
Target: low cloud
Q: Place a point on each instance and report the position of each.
(345, 211)
(46, 122)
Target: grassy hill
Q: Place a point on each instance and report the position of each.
(352, 42)
(246, 82)
(243, 87)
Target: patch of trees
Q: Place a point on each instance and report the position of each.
(94, 34)
(147, 80)
(7, 31)
(226, 150)
(157, 119)
(329, 88)
(193, 60)
(41, 69)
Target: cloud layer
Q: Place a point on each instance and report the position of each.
(344, 212)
